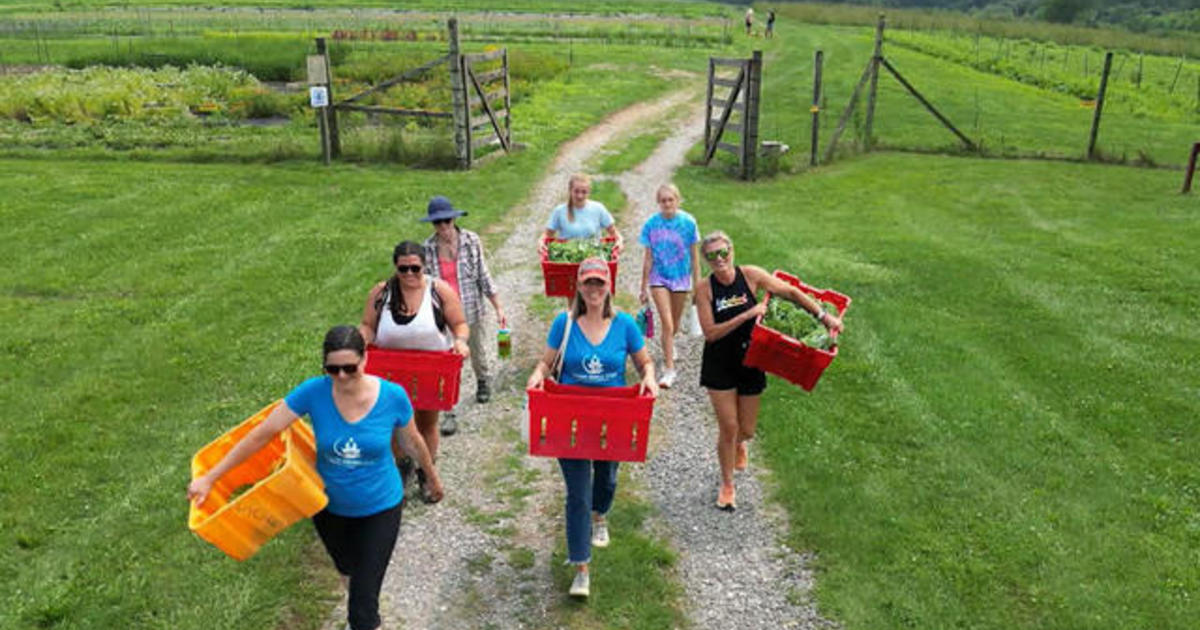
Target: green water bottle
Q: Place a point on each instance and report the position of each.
(503, 343)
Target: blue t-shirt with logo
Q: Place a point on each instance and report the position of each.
(670, 242)
(590, 221)
(601, 365)
(355, 459)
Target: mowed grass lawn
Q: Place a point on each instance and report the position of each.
(1008, 437)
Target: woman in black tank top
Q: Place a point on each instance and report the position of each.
(728, 307)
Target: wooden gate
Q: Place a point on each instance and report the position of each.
(735, 111)
(469, 95)
(483, 109)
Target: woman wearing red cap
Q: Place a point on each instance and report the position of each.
(595, 342)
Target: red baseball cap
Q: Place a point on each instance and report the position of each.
(594, 268)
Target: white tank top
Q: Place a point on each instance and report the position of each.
(419, 334)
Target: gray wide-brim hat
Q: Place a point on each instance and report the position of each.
(441, 208)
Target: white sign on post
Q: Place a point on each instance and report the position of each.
(318, 72)
(318, 96)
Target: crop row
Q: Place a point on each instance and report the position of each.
(1138, 84)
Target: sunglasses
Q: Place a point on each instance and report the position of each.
(408, 268)
(347, 369)
(440, 221)
(716, 253)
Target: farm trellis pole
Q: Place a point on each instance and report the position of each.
(816, 106)
(873, 90)
(1091, 150)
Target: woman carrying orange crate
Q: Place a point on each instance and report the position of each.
(411, 311)
(728, 308)
(580, 217)
(361, 423)
(589, 346)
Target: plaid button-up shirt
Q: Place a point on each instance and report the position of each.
(474, 280)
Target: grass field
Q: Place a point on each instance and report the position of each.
(1005, 438)
(1005, 441)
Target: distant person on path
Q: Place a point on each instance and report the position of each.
(749, 20)
(580, 217)
(360, 423)
(596, 340)
(728, 309)
(770, 24)
(456, 256)
(670, 269)
(410, 311)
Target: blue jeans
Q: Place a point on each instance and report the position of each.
(591, 485)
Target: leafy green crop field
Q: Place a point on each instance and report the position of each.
(1006, 437)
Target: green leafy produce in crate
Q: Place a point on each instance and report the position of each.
(798, 323)
(578, 250)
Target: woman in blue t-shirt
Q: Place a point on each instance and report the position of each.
(580, 217)
(361, 422)
(670, 269)
(598, 341)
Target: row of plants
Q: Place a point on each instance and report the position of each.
(1141, 85)
(105, 93)
(390, 25)
(1170, 44)
(682, 8)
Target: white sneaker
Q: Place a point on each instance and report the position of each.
(600, 533)
(668, 378)
(581, 585)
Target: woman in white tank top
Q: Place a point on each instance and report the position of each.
(412, 311)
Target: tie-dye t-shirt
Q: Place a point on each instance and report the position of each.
(670, 242)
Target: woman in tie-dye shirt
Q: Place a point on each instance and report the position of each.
(670, 268)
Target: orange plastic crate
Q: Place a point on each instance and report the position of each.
(774, 352)
(285, 488)
(431, 378)
(560, 276)
(607, 423)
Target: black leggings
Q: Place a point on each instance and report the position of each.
(361, 549)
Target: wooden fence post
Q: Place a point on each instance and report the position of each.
(750, 116)
(816, 106)
(1176, 79)
(1091, 151)
(507, 102)
(1190, 171)
(712, 70)
(335, 140)
(460, 100)
(874, 86)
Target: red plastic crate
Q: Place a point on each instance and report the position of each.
(774, 352)
(430, 378)
(572, 421)
(560, 276)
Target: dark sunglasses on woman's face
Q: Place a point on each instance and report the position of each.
(349, 368)
(716, 253)
(441, 221)
(408, 268)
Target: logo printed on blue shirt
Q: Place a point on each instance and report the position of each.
(346, 453)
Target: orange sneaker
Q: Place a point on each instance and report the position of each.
(727, 498)
(740, 462)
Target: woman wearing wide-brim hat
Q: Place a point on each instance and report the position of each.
(455, 255)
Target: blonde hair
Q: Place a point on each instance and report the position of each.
(671, 188)
(714, 236)
(577, 178)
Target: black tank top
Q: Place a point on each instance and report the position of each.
(727, 303)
